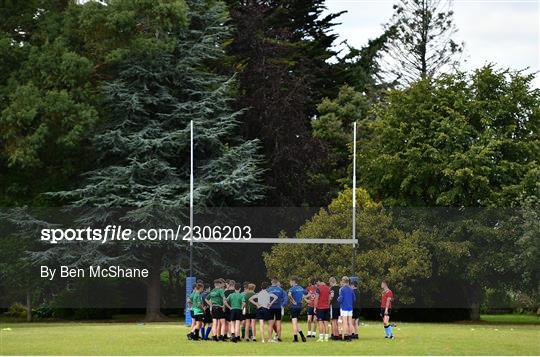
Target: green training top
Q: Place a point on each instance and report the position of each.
(216, 297)
(235, 300)
(250, 307)
(196, 303)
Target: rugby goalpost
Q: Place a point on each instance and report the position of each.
(190, 280)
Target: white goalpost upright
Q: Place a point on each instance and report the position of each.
(354, 201)
(191, 198)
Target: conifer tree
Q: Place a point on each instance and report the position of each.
(423, 43)
(161, 82)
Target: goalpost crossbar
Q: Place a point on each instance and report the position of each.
(347, 241)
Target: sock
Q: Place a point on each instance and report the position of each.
(208, 330)
(295, 338)
(250, 333)
(386, 330)
(243, 332)
(301, 333)
(321, 336)
(390, 330)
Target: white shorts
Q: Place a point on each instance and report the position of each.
(345, 312)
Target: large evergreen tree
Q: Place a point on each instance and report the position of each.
(161, 81)
(282, 50)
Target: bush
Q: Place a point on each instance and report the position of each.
(16, 310)
(43, 312)
(83, 313)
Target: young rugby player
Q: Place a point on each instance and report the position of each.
(215, 299)
(207, 319)
(296, 296)
(386, 308)
(243, 326)
(190, 307)
(251, 313)
(229, 325)
(235, 302)
(310, 299)
(322, 308)
(334, 308)
(346, 301)
(196, 304)
(263, 300)
(284, 303)
(275, 309)
(356, 309)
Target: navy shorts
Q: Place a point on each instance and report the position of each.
(274, 314)
(227, 314)
(262, 313)
(323, 314)
(335, 313)
(235, 315)
(199, 317)
(295, 312)
(356, 313)
(251, 315)
(207, 316)
(382, 311)
(310, 311)
(217, 312)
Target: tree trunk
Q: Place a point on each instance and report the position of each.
(153, 290)
(472, 293)
(28, 306)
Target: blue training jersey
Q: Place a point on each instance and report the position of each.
(280, 293)
(346, 298)
(297, 292)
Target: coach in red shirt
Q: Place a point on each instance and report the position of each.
(322, 308)
(387, 296)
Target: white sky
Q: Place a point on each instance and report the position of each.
(503, 32)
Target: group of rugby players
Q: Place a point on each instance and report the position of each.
(231, 311)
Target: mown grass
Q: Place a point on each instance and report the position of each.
(169, 339)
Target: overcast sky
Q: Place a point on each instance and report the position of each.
(503, 32)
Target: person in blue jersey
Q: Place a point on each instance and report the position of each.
(346, 302)
(296, 296)
(357, 308)
(275, 309)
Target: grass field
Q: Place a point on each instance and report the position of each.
(502, 337)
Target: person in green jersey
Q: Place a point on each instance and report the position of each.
(251, 311)
(229, 289)
(215, 299)
(196, 302)
(243, 324)
(235, 302)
